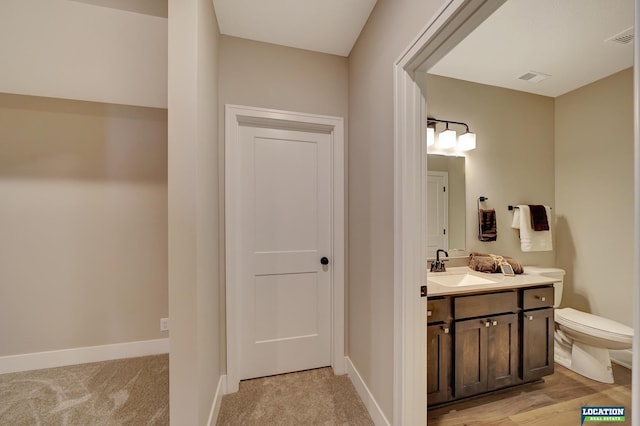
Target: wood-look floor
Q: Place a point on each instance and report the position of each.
(555, 402)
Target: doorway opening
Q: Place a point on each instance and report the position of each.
(285, 268)
(455, 20)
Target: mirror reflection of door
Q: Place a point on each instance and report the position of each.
(453, 217)
(437, 212)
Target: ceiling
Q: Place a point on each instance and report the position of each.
(565, 39)
(328, 26)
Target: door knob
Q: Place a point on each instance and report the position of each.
(324, 261)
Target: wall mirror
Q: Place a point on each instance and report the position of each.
(446, 205)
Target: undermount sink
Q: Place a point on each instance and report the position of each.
(458, 280)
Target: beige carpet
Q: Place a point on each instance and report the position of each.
(313, 397)
(133, 391)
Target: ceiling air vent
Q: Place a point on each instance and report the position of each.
(533, 77)
(624, 37)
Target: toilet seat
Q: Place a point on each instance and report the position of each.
(594, 326)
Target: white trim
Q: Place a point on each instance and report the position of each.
(63, 357)
(409, 242)
(635, 374)
(235, 116)
(217, 400)
(455, 20)
(366, 396)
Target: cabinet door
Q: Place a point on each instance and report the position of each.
(537, 344)
(438, 363)
(470, 357)
(502, 346)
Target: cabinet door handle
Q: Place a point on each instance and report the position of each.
(487, 324)
(530, 317)
(446, 330)
(494, 323)
(429, 313)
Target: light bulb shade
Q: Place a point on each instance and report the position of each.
(447, 139)
(431, 136)
(467, 142)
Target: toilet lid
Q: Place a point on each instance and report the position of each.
(581, 320)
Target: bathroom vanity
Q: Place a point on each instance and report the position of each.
(486, 332)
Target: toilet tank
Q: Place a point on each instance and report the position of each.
(555, 273)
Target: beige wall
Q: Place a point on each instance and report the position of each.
(392, 25)
(74, 50)
(594, 196)
(271, 76)
(513, 162)
(83, 252)
(193, 208)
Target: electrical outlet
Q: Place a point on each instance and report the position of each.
(164, 324)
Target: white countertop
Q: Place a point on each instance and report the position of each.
(500, 282)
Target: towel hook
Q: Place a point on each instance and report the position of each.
(482, 198)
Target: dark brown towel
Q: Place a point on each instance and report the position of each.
(488, 229)
(485, 263)
(539, 221)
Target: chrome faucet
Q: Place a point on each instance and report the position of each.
(438, 265)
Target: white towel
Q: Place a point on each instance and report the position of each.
(531, 240)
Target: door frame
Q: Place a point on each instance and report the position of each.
(453, 22)
(236, 116)
(635, 379)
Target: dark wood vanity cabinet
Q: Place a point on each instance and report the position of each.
(438, 364)
(537, 327)
(438, 350)
(486, 346)
(488, 341)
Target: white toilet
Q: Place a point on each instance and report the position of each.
(583, 340)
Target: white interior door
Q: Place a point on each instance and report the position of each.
(285, 203)
(437, 212)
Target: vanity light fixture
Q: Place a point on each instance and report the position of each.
(447, 138)
(467, 141)
(431, 134)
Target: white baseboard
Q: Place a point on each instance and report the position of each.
(623, 357)
(217, 400)
(373, 408)
(59, 358)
